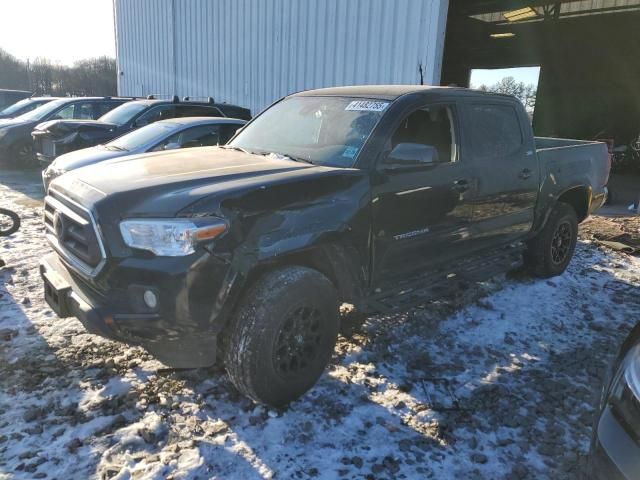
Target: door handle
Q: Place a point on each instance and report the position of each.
(525, 173)
(461, 185)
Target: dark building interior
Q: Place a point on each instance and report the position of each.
(588, 51)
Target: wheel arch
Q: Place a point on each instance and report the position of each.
(579, 198)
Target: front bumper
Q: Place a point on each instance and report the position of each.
(614, 454)
(169, 332)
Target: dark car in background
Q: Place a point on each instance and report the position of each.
(52, 139)
(615, 445)
(160, 136)
(23, 106)
(16, 144)
(9, 97)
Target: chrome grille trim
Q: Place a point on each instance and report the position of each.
(52, 202)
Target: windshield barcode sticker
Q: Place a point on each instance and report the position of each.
(367, 106)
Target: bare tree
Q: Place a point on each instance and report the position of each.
(508, 85)
(94, 76)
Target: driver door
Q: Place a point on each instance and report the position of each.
(422, 215)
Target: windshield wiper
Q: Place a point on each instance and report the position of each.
(115, 147)
(238, 149)
(290, 157)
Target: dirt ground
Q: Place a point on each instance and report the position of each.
(622, 229)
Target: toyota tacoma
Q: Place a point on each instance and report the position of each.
(374, 196)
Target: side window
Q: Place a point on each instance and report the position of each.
(197, 111)
(155, 114)
(432, 126)
(204, 136)
(496, 130)
(66, 113)
(104, 107)
(228, 131)
(83, 111)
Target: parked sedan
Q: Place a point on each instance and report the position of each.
(163, 135)
(16, 144)
(615, 446)
(24, 106)
(52, 139)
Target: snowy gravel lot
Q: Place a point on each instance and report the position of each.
(499, 381)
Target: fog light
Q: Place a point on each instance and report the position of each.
(150, 299)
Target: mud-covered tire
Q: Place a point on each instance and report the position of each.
(283, 335)
(550, 252)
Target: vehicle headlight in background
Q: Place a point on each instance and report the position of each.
(624, 397)
(170, 237)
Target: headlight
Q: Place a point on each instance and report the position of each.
(625, 393)
(170, 237)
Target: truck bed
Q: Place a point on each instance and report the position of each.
(566, 163)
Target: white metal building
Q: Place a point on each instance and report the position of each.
(252, 52)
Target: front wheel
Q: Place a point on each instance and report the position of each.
(283, 335)
(550, 252)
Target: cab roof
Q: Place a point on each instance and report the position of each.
(392, 92)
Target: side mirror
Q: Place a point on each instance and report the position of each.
(172, 146)
(410, 156)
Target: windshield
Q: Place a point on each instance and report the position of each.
(16, 107)
(43, 111)
(321, 130)
(142, 136)
(124, 113)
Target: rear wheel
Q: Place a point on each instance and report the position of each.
(551, 251)
(283, 335)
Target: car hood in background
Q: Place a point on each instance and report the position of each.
(86, 156)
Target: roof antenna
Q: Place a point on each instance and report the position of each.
(421, 74)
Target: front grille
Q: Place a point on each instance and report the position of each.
(72, 232)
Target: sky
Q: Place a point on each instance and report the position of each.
(527, 75)
(61, 30)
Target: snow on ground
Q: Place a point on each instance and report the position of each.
(498, 381)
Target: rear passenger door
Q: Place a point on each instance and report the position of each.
(506, 169)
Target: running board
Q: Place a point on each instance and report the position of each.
(435, 283)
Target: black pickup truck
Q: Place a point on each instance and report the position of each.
(55, 138)
(375, 196)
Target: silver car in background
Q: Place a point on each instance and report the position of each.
(170, 134)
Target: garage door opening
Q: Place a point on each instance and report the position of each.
(587, 51)
(521, 82)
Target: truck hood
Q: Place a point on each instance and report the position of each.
(163, 184)
(59, 128)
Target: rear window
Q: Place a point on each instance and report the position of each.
(495, 130)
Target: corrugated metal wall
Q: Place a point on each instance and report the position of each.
(252, 52)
